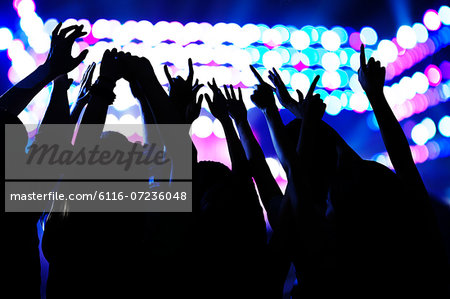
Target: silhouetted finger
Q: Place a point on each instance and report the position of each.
(66, 30)
(240, 95)
(200, 100)
(56, 30)
(166, 71)
(257, 75)
(82, 56)
(191, 71)
(76, 34)
(313, 86)
(300, 95)
(227, 94)
(233, 94)
(208, 100)
(197, 88)
(362, 56)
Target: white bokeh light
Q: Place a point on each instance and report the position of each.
(300, 40)
(368, 36)
(330, 40)
(406, 37)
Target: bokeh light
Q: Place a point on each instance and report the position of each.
(432, 20)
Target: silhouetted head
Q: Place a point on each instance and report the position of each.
(326, 159)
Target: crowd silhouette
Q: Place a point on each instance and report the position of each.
(349, 226)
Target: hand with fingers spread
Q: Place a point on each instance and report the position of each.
(283, 94)
(218, 105)
(236, 106)
(285, 98)
(371, 75)
(263, 96)
(83, 95)
(183, 94)
(59, 59)
(86, 83)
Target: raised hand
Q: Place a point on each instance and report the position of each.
(183, 94)
(218, 105)
(283, 94)
(371, 75)
(236, 106)
(314, 107)
(181, 89)
(86, 83)
(59, 59)
(111, 66)
(306, 101)
(263, 96)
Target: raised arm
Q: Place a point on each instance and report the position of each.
(267, 186)
(83, 95)
(263, 99)
(219, 110)
(58, 107)
(59, 61)
(371, 76)
(102, 95)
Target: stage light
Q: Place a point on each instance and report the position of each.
(283, 31)
(32, 24)
(202, 127)
(301, 82)
(387, 51)
(355, 62)
(408, 87)
(433, 150)
(444, 14)
(6, 38)
(313, 56)
(419, 134)
(420, 82)
(432, 20)
(406, 37)
(431, 127)
(40, 42)
(331, 80)
(434, 75)
(25, 8)
(355, 40)
(421, 32)
(330, 40)
(272, 59)
(285, 55)
(271, 38)
(368, 36)
(359, 102)
(343, 78)
(312, 32)
(251, 34)
(101, 29)
(444, 126)
(333, 105)
(343, 36)
(330, 61)
(300, 40)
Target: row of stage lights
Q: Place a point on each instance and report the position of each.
(224, 51)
